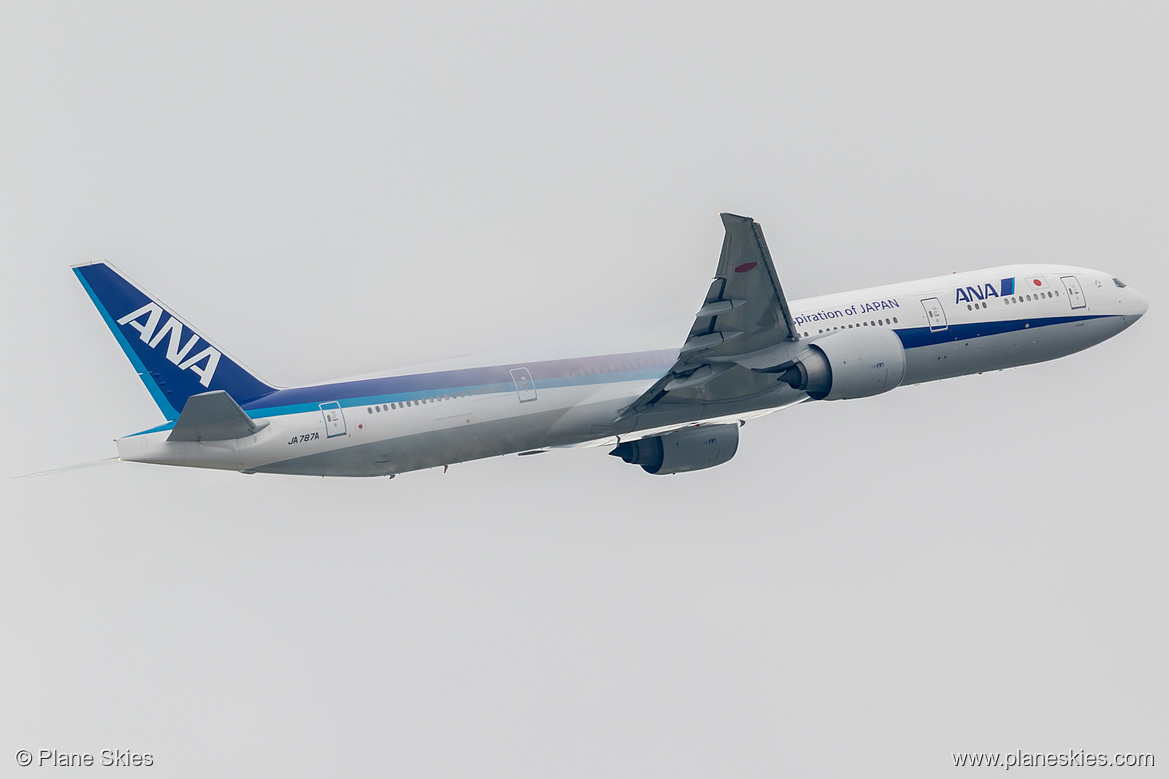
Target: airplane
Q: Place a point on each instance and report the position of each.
(750, 352)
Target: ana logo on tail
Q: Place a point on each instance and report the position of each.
(176, 350)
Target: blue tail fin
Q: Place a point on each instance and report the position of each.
(173, 360)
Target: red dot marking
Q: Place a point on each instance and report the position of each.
(746, 266)
(360, 426)
(1037, 282)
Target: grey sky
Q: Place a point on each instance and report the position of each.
(976, 564)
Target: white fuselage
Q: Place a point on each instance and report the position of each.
(949, 326)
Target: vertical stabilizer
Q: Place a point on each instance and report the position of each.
(174, 360)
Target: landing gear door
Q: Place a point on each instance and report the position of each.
(334, 419)
(524, 386)
(1075, 294)
(934, 314)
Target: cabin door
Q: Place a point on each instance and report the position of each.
(524, 386)
(934, 314)
(334, 419)
(1075, 294)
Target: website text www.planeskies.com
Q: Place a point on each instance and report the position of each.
(1072, 758)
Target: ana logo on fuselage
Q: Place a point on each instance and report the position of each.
(176, 350)
(984, 291)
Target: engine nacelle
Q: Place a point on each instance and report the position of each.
(849, 364)
(688, 449)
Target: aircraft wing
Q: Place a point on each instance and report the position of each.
(743, 331)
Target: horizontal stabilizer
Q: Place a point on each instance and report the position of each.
(213, 416)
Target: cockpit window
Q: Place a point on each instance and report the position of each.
(1118, 283)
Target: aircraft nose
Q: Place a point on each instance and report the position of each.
(1138, 304)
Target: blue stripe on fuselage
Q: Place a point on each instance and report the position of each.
(551, 374)
(916, 337)
(637, 366)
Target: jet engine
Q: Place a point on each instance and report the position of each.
(849, 364)
(688, 449)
